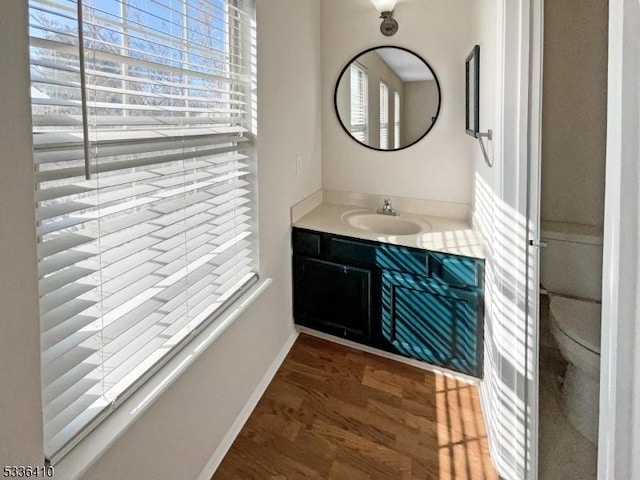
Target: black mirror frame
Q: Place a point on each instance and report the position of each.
(474, 109)
(346, 67)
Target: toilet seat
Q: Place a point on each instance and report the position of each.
(579, 320)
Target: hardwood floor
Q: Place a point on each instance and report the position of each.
(332, 412)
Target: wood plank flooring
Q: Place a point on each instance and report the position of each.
(332, 412)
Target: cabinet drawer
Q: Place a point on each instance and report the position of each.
(456, 270)
(306, 243)
(402, 259)
(353, 250)
(384, 256)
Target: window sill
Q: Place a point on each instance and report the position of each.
(95, 444)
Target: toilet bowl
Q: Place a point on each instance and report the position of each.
(575, 325)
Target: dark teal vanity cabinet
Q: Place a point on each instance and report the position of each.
(412, 302)
(334, 297)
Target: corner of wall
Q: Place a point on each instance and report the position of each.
(20, 395)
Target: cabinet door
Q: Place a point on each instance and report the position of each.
(332, 297)
(427, 321)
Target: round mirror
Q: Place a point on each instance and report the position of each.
(387, 98)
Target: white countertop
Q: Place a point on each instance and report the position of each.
(447, 235)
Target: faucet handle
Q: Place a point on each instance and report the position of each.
(386, 208)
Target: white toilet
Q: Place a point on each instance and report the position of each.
(572, 274)
(575, 325)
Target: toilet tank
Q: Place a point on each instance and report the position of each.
(571, 264)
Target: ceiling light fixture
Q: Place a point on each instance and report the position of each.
(385, 8)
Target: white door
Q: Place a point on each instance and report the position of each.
(509, 196)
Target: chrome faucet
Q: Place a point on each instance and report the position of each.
(386, 208)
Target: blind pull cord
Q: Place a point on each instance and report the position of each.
(83, 91)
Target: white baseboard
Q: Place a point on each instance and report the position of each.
(217, 457)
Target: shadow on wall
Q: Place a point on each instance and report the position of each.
(508, 339)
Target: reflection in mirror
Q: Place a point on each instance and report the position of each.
(387, 98)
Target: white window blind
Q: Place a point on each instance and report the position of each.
(144, 189)
(384, 117)
(396, 122)
(359, 104)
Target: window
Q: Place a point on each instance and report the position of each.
(144, 189)
(384, 117)
(359, 104)
(396, 122)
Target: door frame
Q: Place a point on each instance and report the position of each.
(534, 186)
(522, 124)
(523, 24)
(619, 427)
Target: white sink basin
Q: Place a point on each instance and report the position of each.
(386, 224)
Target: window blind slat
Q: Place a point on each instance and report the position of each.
(68, 338)
(167, 138)
(79, 400)
(384, 116)
(121, 323)
(67, 10)
(61, 244)
(60, 192)
(63, 278)
(62, 314)
(359, 104)
(123, 199)
(106, 166)
(70, 394)
(206, 104)
(116, 58)
(145, 237)
(52, 72)
(137, 325)
(195, 146)
(129, 122)
(118, 363)
(205, 223)
(67, 381)
(119, 290)
(396, 122)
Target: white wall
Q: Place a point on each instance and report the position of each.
(20, 407)
(574, 117)
(439, 166)
(485, 34)
(619, 435)
(176, 436)
(420, 105)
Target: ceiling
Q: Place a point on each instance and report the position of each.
(406, 65)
